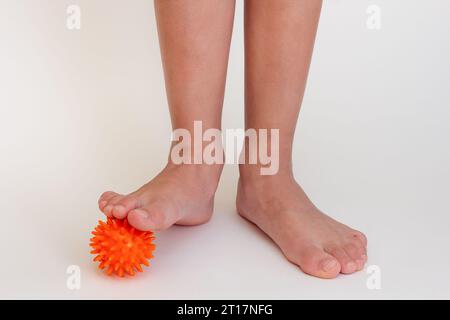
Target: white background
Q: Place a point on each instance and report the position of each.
(85, 111)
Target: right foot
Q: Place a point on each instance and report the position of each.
(180, 194)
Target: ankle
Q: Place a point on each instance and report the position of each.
(206, 177)
(251, 174)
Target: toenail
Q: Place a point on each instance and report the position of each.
(119, 208)
(108, 208)
(329, 265)
(143, 214)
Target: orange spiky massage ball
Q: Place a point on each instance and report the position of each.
(120, 248)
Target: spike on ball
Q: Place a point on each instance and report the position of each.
(121, 249)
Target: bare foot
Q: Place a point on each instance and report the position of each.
(319, 245)
(180, 194)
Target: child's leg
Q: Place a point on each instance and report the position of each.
(279, 41)
(195, 38)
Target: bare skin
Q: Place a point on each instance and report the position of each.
(279, 43)
(195, 39)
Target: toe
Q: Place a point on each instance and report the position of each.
(316, 262)
(104, 199)
(346, 262)
(122, 207)
(357, 254)
(108, 208)
(361, 237)
(146, 219)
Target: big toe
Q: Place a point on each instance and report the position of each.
(316, 262)
(150, 218)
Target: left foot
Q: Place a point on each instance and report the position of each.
(318, 244)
